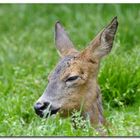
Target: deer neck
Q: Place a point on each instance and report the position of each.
(93, 104)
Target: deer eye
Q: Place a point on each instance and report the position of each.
(72, 78)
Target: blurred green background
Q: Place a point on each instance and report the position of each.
(28, 54)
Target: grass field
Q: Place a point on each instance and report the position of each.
(28, 54)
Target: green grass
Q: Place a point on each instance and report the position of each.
(27, 55)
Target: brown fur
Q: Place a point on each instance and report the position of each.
(83, 91)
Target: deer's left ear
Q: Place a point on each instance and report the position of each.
(103, 42)
(63, 44)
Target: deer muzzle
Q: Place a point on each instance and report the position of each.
(45, 109)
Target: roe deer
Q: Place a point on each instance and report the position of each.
(74, 80)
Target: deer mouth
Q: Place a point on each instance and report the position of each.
(47, 112)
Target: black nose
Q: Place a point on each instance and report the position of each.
(39, 107)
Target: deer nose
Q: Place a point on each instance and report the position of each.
(39, 107)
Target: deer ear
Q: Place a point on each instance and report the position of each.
(62, 41)
(103, 42)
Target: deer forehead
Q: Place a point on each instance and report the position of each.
(71, 66)
(60, 67)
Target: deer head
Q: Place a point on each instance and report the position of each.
(74, 80)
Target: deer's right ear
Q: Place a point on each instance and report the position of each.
(62, 41)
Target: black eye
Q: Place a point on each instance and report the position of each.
(72, 78)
